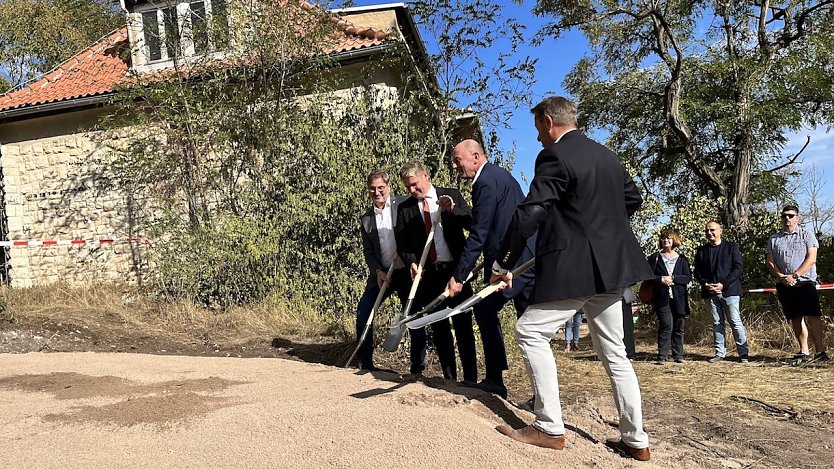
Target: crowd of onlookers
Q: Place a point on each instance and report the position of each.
(717, 268)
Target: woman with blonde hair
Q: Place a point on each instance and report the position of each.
(670, 299)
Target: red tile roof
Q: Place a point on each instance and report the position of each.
(99, 69)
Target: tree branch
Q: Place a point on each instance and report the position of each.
(791, 159)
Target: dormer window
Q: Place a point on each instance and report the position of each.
(180, 28)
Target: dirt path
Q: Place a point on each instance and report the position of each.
(133, 410)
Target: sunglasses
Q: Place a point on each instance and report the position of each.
(710, 230)
(787, 216)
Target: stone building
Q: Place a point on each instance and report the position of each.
(60, 222)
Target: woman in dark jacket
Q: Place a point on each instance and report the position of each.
(670, 298)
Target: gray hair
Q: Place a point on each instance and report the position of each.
(378, 174)
(560, 109)
(412, 168)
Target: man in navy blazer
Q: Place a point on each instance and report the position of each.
(580, 202)
(718, 270)
(495, 196)
(380, 250)
(445, 207)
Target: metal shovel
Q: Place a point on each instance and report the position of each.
(395, 335)
(469, 303)
(436, 302)
(370, 320)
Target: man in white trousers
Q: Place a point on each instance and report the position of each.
(580, 202)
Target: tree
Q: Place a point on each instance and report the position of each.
(700, 93)
(817, 209)
(473, 57)
(37, 35)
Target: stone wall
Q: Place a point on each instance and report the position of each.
(56, 184)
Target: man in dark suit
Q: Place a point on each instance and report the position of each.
(580, 202)
(718, 268)
(380, 250)
(451, 215)
(495, 196)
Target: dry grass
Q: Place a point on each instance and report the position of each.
(152, 315)
(766, 378)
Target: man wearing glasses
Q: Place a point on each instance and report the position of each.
(718, 270)
(380, 250)
(792, 258)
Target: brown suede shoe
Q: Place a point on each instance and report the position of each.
(640, 454)
(533, 436)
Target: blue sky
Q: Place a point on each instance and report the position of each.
(557, 57)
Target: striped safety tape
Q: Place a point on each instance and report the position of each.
(70, 242)
(821, 286)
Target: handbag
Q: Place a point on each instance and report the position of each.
(646, 292)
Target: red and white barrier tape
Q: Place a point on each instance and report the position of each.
(70, 242)
(821, 286)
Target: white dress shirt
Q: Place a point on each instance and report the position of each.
(444, 254)
(385, 231)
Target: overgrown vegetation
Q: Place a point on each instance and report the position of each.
(37, 35)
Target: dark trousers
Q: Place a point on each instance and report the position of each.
(432, 284)
(492, 335)
(628, 330)
(669, 333)
(400, 283)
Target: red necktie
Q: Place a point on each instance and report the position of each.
(427, 222)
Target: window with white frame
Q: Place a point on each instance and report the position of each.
(180, 28)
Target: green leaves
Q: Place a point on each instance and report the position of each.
(698, 94)
(37, 35)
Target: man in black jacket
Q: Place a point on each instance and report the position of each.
(380, 250)
(718, 270)
(580, 202)
(451, 215)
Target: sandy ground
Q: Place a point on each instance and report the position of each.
(97, 410)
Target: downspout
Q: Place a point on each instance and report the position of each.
(4, 226)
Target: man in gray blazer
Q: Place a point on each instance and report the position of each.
(380, 249)
(580, 202)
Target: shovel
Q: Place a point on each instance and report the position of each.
(395, 333)
(440, 298)
(370, 320)
(469, 303)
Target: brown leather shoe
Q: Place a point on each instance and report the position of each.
(640, 454)
(533, 436)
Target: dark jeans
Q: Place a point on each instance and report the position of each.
(433, 283)
(669, 332)
(400, 283)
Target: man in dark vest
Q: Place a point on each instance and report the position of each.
(446, 209)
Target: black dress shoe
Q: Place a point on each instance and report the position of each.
(367, 367)
(492, 387)
(450, 373)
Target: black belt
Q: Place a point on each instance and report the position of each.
(440, 266)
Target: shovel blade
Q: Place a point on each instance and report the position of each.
(393, 338)
(432, 318)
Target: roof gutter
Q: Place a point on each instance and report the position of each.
(13, 114)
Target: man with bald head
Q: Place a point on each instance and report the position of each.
(495, 196)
